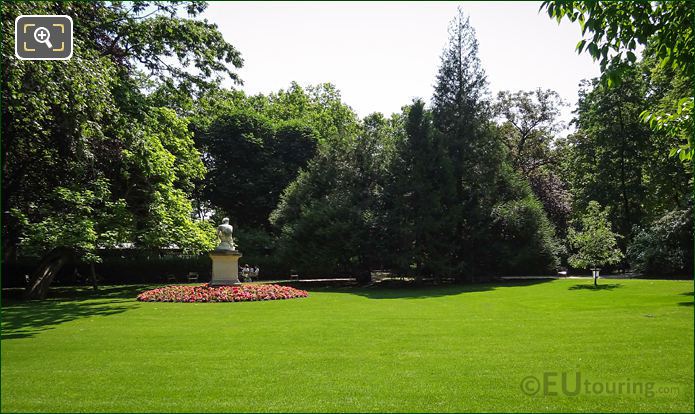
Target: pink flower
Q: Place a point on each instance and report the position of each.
(206, 293)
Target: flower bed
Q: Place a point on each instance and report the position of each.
(206, 293)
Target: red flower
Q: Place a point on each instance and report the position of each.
(206, 293)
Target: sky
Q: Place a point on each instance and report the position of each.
(382, 55)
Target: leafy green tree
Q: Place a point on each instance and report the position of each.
(251, 160)
(610, 150)
(330, 218)
(461, 114)
(615, 29)
(530, 122)
(483, 179)
(421, 185)
(594, 244)
(459, 106)
(521, 239)
(255, 145)
(617, 160)
(113, 167)
(320, 106)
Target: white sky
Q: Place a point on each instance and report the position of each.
(382, 55)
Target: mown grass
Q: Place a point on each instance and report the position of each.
(449, 348)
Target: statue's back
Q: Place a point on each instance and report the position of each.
(225, 229)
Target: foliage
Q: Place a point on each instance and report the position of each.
(610, 150)
(251, 160)
(664, 27)
(665, 247)
(530, 120)
(182, 53)
(618, 161)
(319, 106)
(483, 180)
(255, 145)
(594, 244)
(329, 218)
(84, 223)
(421, 184)
(554, 194)
(529, 125)
(524, 241)
(114, 168)
(259, 246)
(671, 103)
(425, 193)
(458, 102)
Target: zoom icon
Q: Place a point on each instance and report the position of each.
(43, 37)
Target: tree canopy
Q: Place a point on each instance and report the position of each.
(594, 243)
(87, 160)
(664, 28)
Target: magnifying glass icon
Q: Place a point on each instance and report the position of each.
(42, 35)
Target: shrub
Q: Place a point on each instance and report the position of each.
(665, 247)
(525, 240)
(142, 268)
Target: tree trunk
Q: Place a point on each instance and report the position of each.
(93, 276)
(50, 265)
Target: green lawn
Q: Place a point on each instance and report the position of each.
(454, 348)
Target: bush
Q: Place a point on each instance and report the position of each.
(141, 268)
(524, 240)
(116, 267)
(664, 248)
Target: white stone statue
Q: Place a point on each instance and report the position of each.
(224, 232)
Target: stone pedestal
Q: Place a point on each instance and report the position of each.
(225, 267)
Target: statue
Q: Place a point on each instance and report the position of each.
(224, 232)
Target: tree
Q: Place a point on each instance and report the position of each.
(529, 124)
(250, 161)
(616, 28)
(421, 185)
(329, 218)
(254, 146)
(617, 160)
(483, 180)
(459, 106)
(114, 167)
(594, 243)
(611, 148)
(461, 114)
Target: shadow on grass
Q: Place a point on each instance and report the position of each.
(609, 286)
(686, 303)
(24, 319)
(412, 290)
(79, 293)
